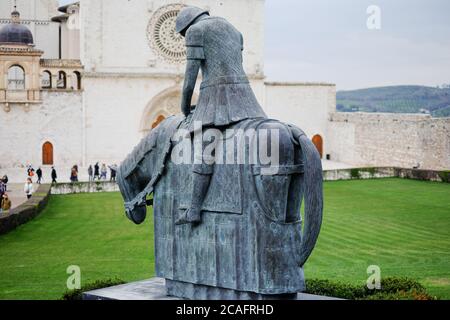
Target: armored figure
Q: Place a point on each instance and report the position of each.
(214, 46)
(249, 244)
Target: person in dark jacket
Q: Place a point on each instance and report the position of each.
(54, 176)
(39, 175)
(5, 180)
(113, 169)
(97, 171)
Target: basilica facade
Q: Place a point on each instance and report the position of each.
(83, 83)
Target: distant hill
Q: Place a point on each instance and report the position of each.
(396, 99)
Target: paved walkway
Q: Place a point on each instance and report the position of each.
(16, 194)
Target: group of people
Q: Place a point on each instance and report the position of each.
(101, 173)
(95, 173)
(31, 173)
(5, 202)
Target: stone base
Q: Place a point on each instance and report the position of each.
(155, 289)
(201, 292)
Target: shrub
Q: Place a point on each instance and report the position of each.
(392, 288)
(400, 295)
(394, 285)
(445, 176)
(99, 284)
(334, 289)
(354, 173)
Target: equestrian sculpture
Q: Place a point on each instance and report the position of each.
(225, 229)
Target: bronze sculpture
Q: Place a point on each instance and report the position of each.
(236, 233)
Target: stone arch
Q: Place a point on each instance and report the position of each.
(16, 77)
(46, 79)
(163, 105)
(62, 80)
(318, 142)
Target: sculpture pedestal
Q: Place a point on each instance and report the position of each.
(155, 289)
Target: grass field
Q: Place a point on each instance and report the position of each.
(402, 226)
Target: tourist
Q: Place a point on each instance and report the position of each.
(2, 189)
(30, 172)
(96, 171)
(5, 203)
(28, 188)
(5, 181)
(104, 172)
(91, 173)
(74, 174)
(113, 169)
(54, 176)
(39, 175)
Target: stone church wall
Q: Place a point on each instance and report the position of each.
(401, 140)
(117, 37)
(306, 105)
(57, 120)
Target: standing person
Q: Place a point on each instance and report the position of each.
(113, 169)
(30, 172)
(96, 171)
(28, 188)
(5, 181)
(5, 203)
(74, 174)
(2, 189)
(91, 173)
(39, 175)
(54, 176)
(104, 172)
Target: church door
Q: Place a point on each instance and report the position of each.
(47, 154)
(158, 120)
(318, 142)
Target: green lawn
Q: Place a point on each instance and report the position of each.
(402, 226)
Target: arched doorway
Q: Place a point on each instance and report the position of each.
(318, 142)
(158, 120)
(47, 154)
(162, 106)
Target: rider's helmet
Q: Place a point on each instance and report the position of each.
(186, 16)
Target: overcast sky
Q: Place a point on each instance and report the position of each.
(329, 41)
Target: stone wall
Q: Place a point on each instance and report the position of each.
(57, 120)
(399, 140)
(307, 105)
(26, 211)
(84, 187)
(111, 32)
